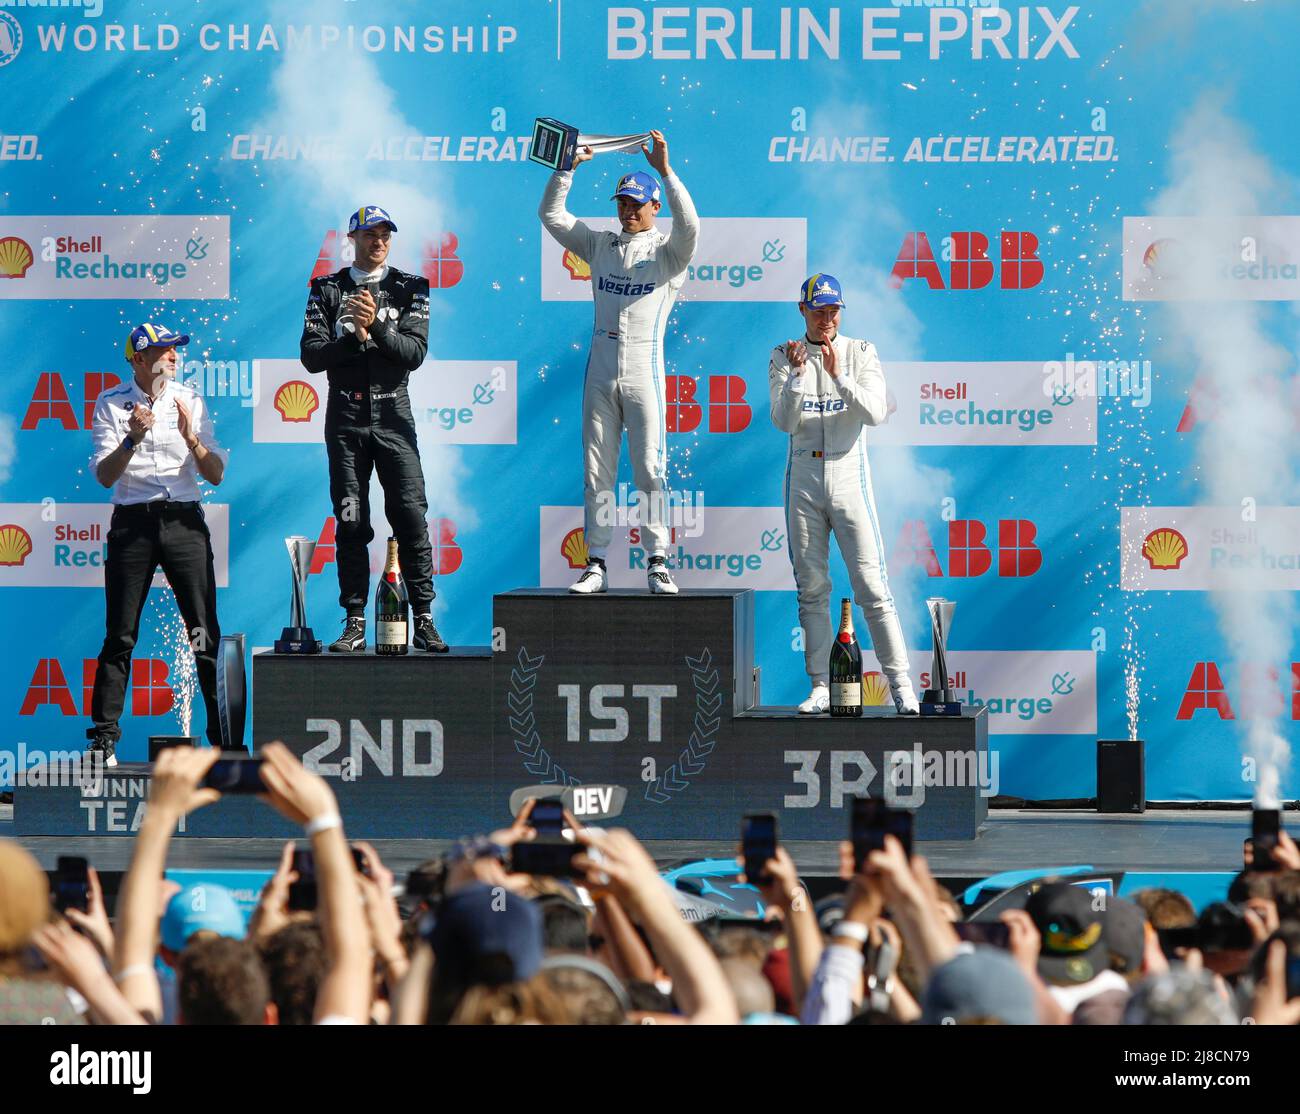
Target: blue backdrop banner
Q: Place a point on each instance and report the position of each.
(1064, 226)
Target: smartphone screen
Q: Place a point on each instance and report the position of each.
(547, 817)
(549, 856)
(871, 821)
(71, 884)
(302, 893)
(235, 776)
(1265, 826)
(757, 845)
(993, 933)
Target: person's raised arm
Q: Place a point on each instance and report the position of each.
(679, 248)
(76, 961)
(318, 350)
(862, 383)
(406, 340)
(784, 890)
(785, 384)
(563, 226)
(173, 793)
(306, 798)
(624, 867)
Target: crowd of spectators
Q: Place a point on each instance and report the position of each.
(466, 941)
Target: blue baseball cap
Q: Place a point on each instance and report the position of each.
(638, 186)
(150, 335)
(201, 907)
(485, 935)
(368, 216)
(821, 290)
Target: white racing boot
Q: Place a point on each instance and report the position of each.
(591, 581)
(819, 700)
(904, 697)
(659, 579)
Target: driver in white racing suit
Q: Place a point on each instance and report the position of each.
(825, 390)
(635, 275)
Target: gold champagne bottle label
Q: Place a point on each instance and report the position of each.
(392, 565)
(846, 616)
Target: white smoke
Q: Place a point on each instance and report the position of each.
(905, 488)
(1246, 448)
(340, 99)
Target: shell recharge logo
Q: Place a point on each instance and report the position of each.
(15, 257)
(574, 548)
(1164, 548)
(579, 269)
(296, 401)
(1163, 258)
(15, 545)
(875, 690)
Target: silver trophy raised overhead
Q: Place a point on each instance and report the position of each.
(554, 143)
(297, 637)
(939, 699)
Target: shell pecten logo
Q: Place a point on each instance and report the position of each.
(574, 548)
(15, 545)
(579, 269)
(874, 689)
(1164, 548)
(296, 401)
(15, 257)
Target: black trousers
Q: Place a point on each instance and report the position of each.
(364, 435)
(140, 539)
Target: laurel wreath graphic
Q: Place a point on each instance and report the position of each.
(691, 762)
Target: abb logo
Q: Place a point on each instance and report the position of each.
(1261, 694)
(447, 553)
(969, 265)
(51, 403)
(969, 553)
(728, 410)
(151, 695)
(439, 262)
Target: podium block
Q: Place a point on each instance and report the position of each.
(651, 693)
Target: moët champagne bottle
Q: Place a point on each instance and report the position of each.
(846, 667)
(392, 606)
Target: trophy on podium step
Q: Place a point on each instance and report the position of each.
(940, 700)
(297, 637)
(555, 143)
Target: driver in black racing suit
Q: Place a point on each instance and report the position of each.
(367, 328)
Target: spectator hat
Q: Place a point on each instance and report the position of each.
(479, 927)
(201, 907)
(984, 983)
(1073, 946)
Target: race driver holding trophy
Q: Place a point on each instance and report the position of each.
(826, 389)
(636, 274)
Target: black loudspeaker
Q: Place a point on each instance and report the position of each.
(1121, 776)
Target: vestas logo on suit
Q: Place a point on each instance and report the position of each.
(624, 286)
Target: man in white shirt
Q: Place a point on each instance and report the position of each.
(153, 440)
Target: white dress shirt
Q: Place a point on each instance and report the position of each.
(162, 466)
